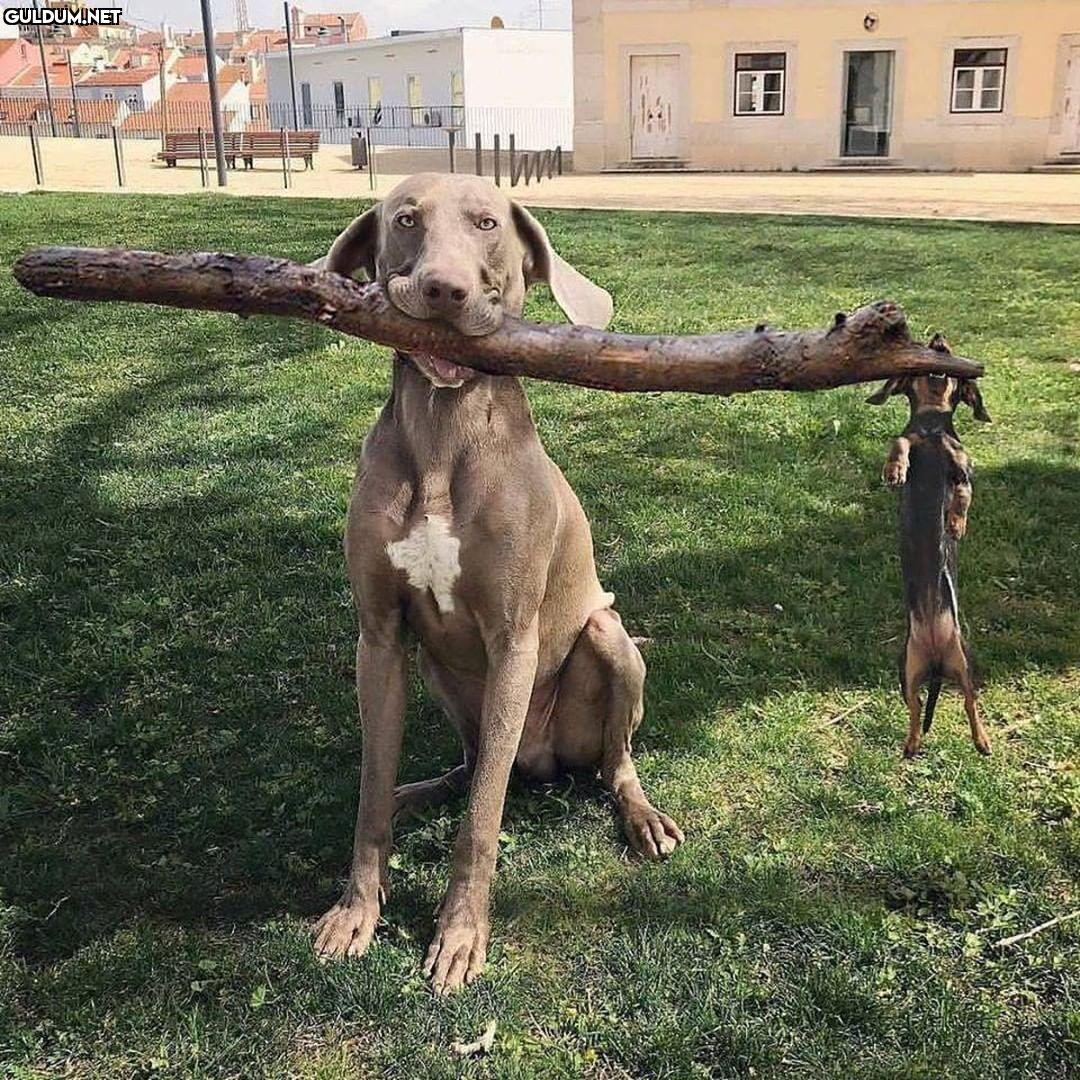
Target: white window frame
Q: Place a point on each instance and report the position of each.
(978, 86)
(757, 89)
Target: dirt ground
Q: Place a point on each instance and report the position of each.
(88, 165)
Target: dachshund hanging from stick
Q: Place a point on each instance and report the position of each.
(929, 465)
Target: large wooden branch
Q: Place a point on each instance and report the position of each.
(873, 343)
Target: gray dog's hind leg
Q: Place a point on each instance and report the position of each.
(600, 707)
(424, 795)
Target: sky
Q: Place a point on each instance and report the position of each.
(382, 15)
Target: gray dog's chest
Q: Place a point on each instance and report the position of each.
(430, 556)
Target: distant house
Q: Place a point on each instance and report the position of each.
(15, 56)
(30, 83)
(59, 32)
(475, 80)
(187, 106)
(332, 28)
(137, 88)
(812, 84)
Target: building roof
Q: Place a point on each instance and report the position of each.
(20, 110)
(31, 75)
(188, 92)
(230, 74)
(124, 77)
(331, 18)
(190, 67)
(222, 38)
(265, 41)
(9, 43)
(90, 112)
(188, 116)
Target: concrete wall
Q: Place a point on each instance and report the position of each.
(517, 81)
(430, 56)
(706, 34)
(145, 93)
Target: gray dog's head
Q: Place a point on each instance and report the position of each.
(456, 248)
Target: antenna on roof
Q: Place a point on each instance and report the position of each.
(240, 16)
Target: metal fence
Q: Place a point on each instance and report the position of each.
(421, 127)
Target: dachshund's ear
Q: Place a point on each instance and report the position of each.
(899, 385)
(969, 394)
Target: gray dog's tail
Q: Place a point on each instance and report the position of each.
(931, 701)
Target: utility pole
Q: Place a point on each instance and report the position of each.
(74, 99)
(292, 70)
(45, 76)
(215, 102)
(161, 90)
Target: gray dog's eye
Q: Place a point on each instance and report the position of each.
(486, 223)
(406, 221)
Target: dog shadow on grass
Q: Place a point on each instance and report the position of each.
(183, 741)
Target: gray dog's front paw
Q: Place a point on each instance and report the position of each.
(459, 950)
(346, 929)
(651, 832)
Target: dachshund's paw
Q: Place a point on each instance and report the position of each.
(652, 834)
(459, 951)
(956, 525)
(912, 746)
(346, 929)
(894, 474)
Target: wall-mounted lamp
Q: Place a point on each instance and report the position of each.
(870, 21)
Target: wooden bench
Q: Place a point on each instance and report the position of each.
(184, 146)
(271, 144)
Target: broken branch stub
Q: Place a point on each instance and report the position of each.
(870, 344)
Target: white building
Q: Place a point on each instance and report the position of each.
(469, 79)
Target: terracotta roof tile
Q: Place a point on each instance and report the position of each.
(125, 77)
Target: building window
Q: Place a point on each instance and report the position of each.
(457, 89)
(339, 101)
(978, 80)
(374, 99)
(759, 84)
(306, 110)
(414, 94)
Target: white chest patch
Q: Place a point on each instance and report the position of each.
(429, 557)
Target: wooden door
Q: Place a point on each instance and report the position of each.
(654, 106)
(1071, 125)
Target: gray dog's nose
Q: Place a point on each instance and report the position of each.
(443, 292)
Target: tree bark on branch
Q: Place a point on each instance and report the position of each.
(872, 343)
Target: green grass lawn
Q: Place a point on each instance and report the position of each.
(179, 743)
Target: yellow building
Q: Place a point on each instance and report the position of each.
(799, 84)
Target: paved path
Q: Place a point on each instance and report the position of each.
(87, 165)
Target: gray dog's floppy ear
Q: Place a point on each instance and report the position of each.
(969, 394)
(899, 385)
(355, 247)
(585, 303)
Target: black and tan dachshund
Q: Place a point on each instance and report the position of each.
(933, 472)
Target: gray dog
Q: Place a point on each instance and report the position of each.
(464, 532)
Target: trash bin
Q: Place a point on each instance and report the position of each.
(359, 150)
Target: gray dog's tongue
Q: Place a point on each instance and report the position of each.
(445, 369)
